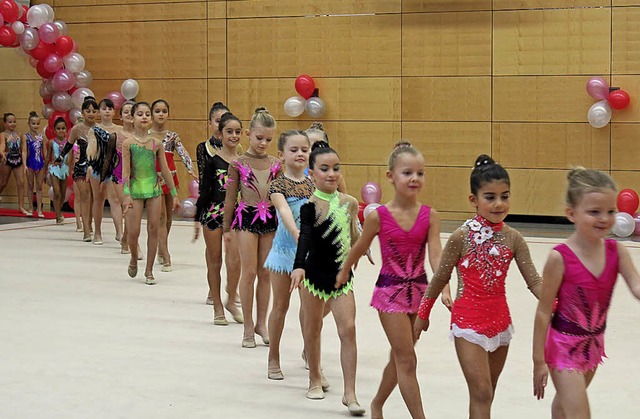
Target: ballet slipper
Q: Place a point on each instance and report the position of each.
(275, 373)
(249, 342)
(353, 407)
(149, 279)
(315, 393)
(132, 271)
(220, 320)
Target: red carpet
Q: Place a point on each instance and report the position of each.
(7, 212)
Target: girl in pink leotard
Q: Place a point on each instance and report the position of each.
(406, 229)
(569, 341)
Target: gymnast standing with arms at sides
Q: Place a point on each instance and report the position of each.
(172, 143)
(405, 228)
(36, 160)
(58, 173)
(481, 250)
(328, 228)
(253, 217)
(79, 134)
(209, 213)
(13, 148)
(142, 187)
(568, 339)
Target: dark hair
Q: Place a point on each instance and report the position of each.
(401, 147)
(58, 120)
(137, 105)
(33, 114)
(107, 102)
(218, 106)
(126, 102)
(89, 101)
(486, 170)
(318, 128)
(226, 117)
(284, 136)
(156, 102)
(318, 148)
(6, 115)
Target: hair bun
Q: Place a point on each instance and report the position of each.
(319, 144)
(317, 125)
(401, 144)
(261, 109)
(483, 160)
(575, 171)
(218, 104)
(89, 98)
(33, 114)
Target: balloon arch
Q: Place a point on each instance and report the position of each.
(53, 53)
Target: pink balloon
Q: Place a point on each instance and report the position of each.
(194, 187)
(116, 98)
(371, 193)
(53, 63)
(598, 88)
(48, 33)
(63, 80)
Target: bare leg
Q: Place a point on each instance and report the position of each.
(82, 202)
(248, 242)
(76, 210)
(263, 292)
(134, 219)
(154, 206)
(59, 189)
(5, 173)
(232, 262)
(115, 204)
(30, 175)
(280, 284)
(164, 227)
(571, 400)
(98, 191)
(39, 177)
(344, 313)
(313, 308)
(213, 241)
(18, 172)
(118, 190)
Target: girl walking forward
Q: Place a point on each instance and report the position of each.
(481, 251)
(405, 227)
(58, 173)
(142, 187)
(171, 143)
(287, 193)
(254, 221)
(13, 149)
(580, 275)
(34, 156)
(328, 228)
(210, 210)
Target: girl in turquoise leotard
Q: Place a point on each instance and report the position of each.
(142, 186)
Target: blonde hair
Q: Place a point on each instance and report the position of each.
(583, 181)
(263, 118)
(401, 147)
(318, 128)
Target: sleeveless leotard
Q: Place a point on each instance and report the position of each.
(575, 339)
(60, 171)
(144, 178)
(212, 193)
(35, 152)
(82, 163)
(13, 157)
(402, 280)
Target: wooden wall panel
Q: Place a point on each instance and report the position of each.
(548, 4)
(133, 12)
(216, 48)
(631, 84)
(625, 40)
(540, 99)
(449, 143)
(411, 6)
(15, 66)
(216, 9)
(288, 47)
(64, 3)
(144, 49)
(570, 41)
(446, 98)
(627, 179)
(20, 97)
(550, 146)
(277, 8)
(446, 44)
(539, 192)
(447, 188)
(624, 146)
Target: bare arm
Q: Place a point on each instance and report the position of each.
(628, 270)
(126, 175)
(280, 202)
(553, 272)
(231, 197)
(370, 230)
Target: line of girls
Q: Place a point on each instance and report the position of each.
(317, 242)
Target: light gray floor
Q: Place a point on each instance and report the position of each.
(82, 340)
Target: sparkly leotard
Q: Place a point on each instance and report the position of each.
(252, 176)
(13, 156)
(35, 152)
(402, 280)
(212, 193)
(171, 142)
(328, 229)
(283, 248)
(143, 181)
(101, 157)
(481, 252)
(206, 150)
(575, 339)
(60, 171)
(82, 163)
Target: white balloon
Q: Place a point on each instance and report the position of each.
(369, 208)
(47, 111)
(63, 29)
(294, 106)
(74, 62)
(599, 114)
(61, 101)
(129, 89)
(315, 107)
(78, 96)
(83, 78)
(29, 39)
(37, 16)
(624, 225)
(49, 10)
(18, 27)
(74, 115)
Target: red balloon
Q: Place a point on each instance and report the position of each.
(7, 36)
(72, 199)
(47, 100)
(23, 18)
(628, 201)
(42, 71)
(361, 207)
(50, 132)
(305, 86)
(40, 52)
(9, 10)
(73, 89)
(63, 45)
(618, 99)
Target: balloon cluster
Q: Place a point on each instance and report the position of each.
(53, 53)
(371, 195)
(600, 112)
(188, 209)
(627, 220)
(308, 99)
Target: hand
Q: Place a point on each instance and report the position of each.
(420, 325)
(342, 278)
(127, 204)
(445, 297)
(176, 204)
(297, 276)
(196, 231)
(540, 376)
(193, 175)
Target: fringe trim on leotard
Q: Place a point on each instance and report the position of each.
(344, 290)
